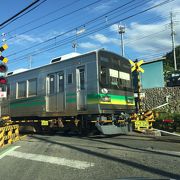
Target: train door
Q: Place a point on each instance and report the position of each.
(60, 92)
(81, 89)
(51, 102)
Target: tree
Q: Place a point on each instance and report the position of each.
(169, 62)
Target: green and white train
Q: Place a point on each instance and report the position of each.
(85, 92)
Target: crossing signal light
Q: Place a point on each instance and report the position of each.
(136, 66)
(3, 80)
(3, 68)
(2, 58)
(3, 47)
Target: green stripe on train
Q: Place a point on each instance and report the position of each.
(115, 99)
(28, 102)
(71, 98)
(96, 99)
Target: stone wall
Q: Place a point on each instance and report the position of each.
(157, 96)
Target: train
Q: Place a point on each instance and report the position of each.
(88, 92)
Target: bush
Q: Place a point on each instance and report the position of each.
(175, 126)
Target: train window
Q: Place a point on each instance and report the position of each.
(104, 75)
(113, 73)
(69, 79)
(61, 82)
(82, 79)
(51, 84)
(113, 77)
(114, 81)
(32, 87)
(123, 75)
(21, 89)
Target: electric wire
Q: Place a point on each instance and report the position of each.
(82, 25)
(48, 14)
(140, 12)
(67, 14)
(17, 14)
(23, 14)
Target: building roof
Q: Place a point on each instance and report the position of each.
(154, 60)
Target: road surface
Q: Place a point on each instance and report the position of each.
(43, 157)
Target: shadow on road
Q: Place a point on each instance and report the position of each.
(135, 148)
(158, 139)
(112, 158)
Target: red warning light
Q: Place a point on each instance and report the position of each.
(3, 68)
(3, 80)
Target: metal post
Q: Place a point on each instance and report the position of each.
(139, 93)
(0, 108)
(30, 62)
(121, 32)
(139, 100)
(173, 41)
(74, 46)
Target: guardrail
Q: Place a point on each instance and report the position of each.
(9, 134)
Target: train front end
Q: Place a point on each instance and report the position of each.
(116, 96)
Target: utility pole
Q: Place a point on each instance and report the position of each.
(121, 30)
(173, 41)
(30, 62)
(74, 46)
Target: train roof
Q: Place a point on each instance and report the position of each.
(57, 60)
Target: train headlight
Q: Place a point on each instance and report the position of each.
(104, 90)
(106, 99)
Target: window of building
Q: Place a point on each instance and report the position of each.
(70, 79)
(32, 87)
(21, 89)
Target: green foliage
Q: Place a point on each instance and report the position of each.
(169, 62)
(165, 115)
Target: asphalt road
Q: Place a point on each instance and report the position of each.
(42, 157)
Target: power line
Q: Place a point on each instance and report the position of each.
(17, 14)
(70, 40)
(37, 19)
(67, 14)
(85, 24)
(24, 14)
(96, 30)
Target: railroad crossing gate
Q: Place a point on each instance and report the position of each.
(2, 58)
(142, 120)
(136, 66)
(9, 134)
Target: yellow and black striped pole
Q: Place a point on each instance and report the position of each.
(139, 92)
(2, 58)
(136, 67)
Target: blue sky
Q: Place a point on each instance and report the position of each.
(50, 29)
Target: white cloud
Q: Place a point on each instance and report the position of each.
(156, 36)
(104, 39)
(24, 39)
(104, 6)
(88, 45)
(165, 9)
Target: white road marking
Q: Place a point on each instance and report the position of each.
(9, 150)
(50, 159)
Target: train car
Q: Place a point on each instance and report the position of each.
(86, 92)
